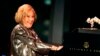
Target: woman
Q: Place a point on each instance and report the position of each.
(24, 40)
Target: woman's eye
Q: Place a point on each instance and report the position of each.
(33, 16)
(28, 16)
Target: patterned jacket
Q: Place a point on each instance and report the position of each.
(25, 42)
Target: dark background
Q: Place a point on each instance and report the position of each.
(75, 14)
(81, 10)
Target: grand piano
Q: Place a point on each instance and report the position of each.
(83, 42)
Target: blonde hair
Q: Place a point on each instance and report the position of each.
(22, 12)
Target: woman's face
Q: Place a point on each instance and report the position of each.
(29, 19)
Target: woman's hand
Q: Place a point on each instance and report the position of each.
(56, 48)
(59, 48)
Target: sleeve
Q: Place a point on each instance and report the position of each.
(36, 45)
(42, 47)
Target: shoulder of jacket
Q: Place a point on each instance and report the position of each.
(19, 30)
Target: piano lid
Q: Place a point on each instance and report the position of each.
(89, 30)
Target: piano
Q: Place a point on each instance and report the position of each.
(83, 42)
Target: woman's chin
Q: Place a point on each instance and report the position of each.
(29, 26)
